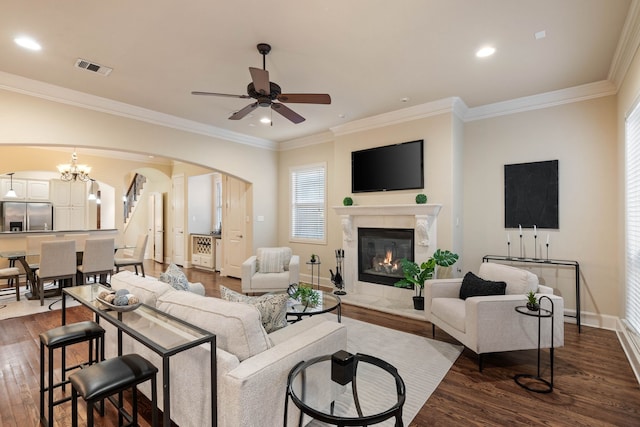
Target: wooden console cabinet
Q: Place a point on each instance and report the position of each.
(203, 251)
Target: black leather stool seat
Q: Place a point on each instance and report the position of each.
(109, 377)
(71, 334)
(60, 338)
(112, 375)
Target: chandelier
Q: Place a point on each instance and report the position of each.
(74, 171)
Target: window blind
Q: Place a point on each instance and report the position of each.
(308, 203)
(632, 222)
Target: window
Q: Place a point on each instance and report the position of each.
(632, 220)
(308, 203)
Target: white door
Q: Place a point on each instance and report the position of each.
(156, 226)
(178, 219)
(234, 225)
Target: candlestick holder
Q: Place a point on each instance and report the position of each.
(547, 252)
(535, 247)
(521, 246)
(508, 249)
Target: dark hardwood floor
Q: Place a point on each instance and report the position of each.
(593, 382)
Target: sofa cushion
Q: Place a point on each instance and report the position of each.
(237, 326)
(273, 260)
(147, 289)
(175, 277)
(474, 286)
(450, 310)
(272, 307)
(518, 281)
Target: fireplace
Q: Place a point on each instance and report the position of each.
(380, 251)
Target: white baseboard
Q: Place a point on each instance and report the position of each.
(594, 320)
(630, 344)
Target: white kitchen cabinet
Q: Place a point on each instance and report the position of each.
(69, 200)
(69, 218)
(38, 191)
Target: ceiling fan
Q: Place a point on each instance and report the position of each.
(266, 92)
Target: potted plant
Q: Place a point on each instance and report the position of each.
(305, 294)
(314, 258)
(421, 199)
(347, 201)
(532, 302)
(415, 275)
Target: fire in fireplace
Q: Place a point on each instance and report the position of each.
(380, 251)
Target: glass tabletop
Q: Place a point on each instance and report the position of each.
(326, 302)
(375, 393)
(163, 332)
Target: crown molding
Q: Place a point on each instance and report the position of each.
(38, 89)
(415, 112)
(306, 141)
(627, 45)
(542, 100)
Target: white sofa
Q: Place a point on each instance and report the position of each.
(488, 324)
(271, 269)
(252, 366)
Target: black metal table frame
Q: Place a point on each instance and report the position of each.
(568, 263)
(161, 351)
(300, 314)
(540, 314)
(361, 420)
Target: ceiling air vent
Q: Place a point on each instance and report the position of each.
(91, 66)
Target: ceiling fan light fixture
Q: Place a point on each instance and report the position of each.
(265, 120)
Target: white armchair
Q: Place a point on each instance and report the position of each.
(271, 269)
(489, 324)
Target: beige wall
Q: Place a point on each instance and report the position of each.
(30, 121)
(582, 136)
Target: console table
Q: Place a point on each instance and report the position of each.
(540, 261)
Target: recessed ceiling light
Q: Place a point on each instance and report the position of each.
(540, 34)
(405, 99)
(265, 120)
(27, 43)
(485, 51)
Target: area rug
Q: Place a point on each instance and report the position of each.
(12, 308)
(421, 362)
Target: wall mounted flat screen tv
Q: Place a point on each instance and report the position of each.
(388, 168)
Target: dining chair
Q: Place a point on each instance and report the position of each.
(57, 262)
(98, 258)
(138, 256)
(33, 253)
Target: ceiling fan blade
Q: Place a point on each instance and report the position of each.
(220, 94)
(242, 113)
(305, 98)
(260, 79)
(287, 113)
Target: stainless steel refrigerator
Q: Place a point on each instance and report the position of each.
(26, 216)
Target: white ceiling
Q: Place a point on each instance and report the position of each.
(367, 54)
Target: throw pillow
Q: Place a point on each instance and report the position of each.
(272, 307)
(474, 286)
(175, 277)
(271, 261)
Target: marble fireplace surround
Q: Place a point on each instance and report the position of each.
(421, 218)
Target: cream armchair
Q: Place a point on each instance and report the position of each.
(488, 324)
(271, 269)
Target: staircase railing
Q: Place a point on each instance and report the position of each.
(131, 197)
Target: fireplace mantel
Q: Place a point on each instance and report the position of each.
(424, 209)
(420, 217)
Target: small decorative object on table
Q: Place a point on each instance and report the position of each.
(347, 201)
(313, 258)
(532, 302)
(421, 199)
(120, 300)
(305, 294)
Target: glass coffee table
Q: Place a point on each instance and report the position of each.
(326, 302)
(368, 389)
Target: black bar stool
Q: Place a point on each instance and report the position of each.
(111, 376)
(62, 337)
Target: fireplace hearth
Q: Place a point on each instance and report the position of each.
(380, 251)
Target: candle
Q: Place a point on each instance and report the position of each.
(535, 231)
(547, 239)
(520, 228)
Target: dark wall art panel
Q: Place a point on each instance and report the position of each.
(531, 195)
